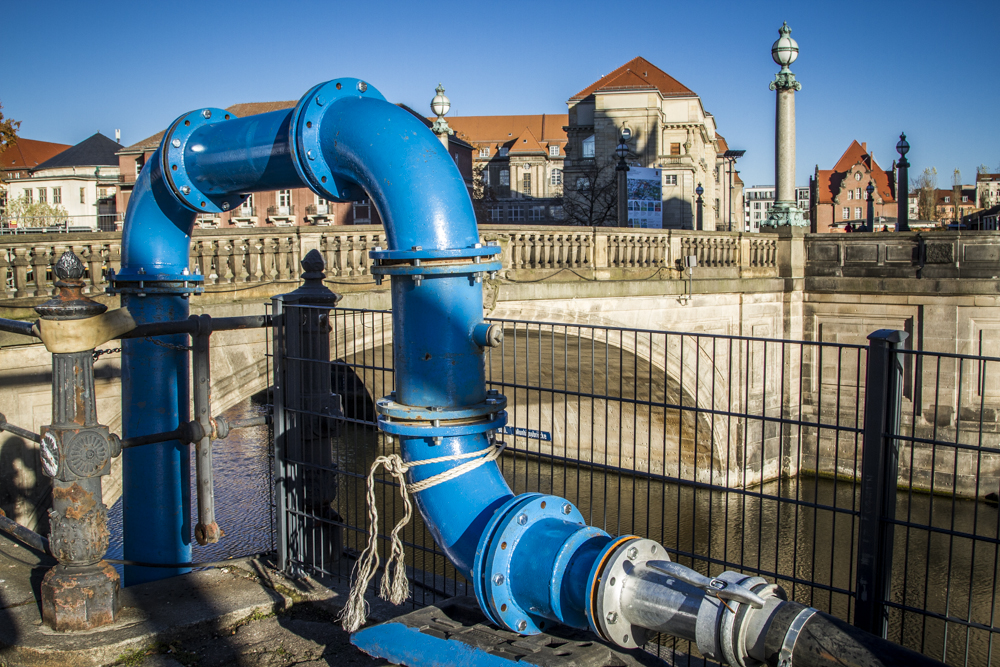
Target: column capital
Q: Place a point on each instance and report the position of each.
(785, 80)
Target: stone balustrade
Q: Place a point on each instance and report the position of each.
(258, 256)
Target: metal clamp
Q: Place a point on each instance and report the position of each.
(794, 628)
(720, 588)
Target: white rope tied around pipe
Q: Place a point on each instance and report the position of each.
(395, 586)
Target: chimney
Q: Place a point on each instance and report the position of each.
(864, 146)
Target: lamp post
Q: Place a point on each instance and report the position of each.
(902, 186)
(699, 191)
(785, 210)
(441, 105)
(870, 224)
(622, 172)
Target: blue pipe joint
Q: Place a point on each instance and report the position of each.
(593, 581)
(175, 150)
(311, 162)
(432, 422)
(141, 284)
(531, 562)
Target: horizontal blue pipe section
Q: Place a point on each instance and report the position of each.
(403, 645)
(248, 154)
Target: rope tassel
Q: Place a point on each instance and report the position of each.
(395, 586)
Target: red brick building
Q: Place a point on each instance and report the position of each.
(838, 196)
(284, 208)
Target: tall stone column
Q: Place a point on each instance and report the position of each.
(785, 211)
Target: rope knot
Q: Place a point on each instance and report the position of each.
(395, 587)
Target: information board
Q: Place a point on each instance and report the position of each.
(645, 198)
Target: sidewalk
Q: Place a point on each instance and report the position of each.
(245, 614)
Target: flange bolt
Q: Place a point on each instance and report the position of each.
(612, 617)
(498, 580)
(522, 519)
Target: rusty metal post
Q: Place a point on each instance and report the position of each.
(206, 531)
(310, 411)
(81, 592)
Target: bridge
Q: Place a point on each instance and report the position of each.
(941, 288)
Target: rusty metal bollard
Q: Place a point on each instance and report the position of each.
(82, 591)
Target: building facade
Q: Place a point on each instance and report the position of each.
(838, 196)
(953, 204)
(80, 182)
(670, 131)
(759, 199)
(517, 166)
(987, 190)
(20, 158)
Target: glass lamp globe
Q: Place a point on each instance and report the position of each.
(785, 50)
(622, 150)
(699, 190)
(440, 105)
(870, 189)
(902, 147)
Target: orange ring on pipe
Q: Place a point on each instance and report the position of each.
(597, 577)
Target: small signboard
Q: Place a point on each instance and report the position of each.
(645, 198)
(528, 433)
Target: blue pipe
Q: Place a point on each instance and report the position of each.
(344, 141)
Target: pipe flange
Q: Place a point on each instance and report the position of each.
(432, 269)
(424, 429)
(173, 150)
(494, 581)
(607, 614)
(495, 402)
(142, 284)
(305, 142)
(478, 250)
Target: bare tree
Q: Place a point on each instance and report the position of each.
(925, 186)
(483, 194)
(593, 199)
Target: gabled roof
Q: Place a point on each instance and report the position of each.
(637, 74)
(94, 151)
(526, 143)
(830, 181)
(238, 110)
(29, 153)
(501, 130)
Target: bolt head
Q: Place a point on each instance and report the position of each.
(612, 617)
(567, 508)
(522, 519)
(207, 114)
(632, 553)
(176, 143)
(362, 86)
(185, 189)
(225, 206)
(498, 580)
(522, 626)
(320, 100)
(310, 155)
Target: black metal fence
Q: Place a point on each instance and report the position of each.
(734, 452)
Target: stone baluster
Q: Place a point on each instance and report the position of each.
(40, 270)
(6, 269)
(115, 257)
(21, 264)
(94, 255)
(284, 252)
(238, 261)
(364, 258)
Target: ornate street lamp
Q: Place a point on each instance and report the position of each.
(902, 186)
(622, 171)
(441, 105)
(870, 224)
(700, 191)
(785, 210)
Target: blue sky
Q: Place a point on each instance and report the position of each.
(868, 69)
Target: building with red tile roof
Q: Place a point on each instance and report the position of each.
(838, 196)
(671, 132)
(23, 156)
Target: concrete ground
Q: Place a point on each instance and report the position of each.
(245, 614)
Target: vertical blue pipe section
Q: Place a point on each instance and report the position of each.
(156, 478)
(423, 200)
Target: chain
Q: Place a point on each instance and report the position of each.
(98, 353)
(169, 346)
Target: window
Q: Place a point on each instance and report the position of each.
(496, 213)
(102, 192)
(583, 183)
(484, 152)
(284, 198)
(517, 213)
(139, 163)
(850, 195)
(557, 212)
(756, 205)
(670, 179)
(588, 147)
(536, 213)
(505, 177)
(947, 200)
(29, 195)
(362, 211)
(857, 213)
(965, 198)
(857, 176)
(526, 184)
(56, 195)
(42, 195)
(846, 213)
(486, 176)
(247, 205)
(675, 149)
(857, 193)
(504, 151)
(83, 196)
(554, 151)
(555, 177)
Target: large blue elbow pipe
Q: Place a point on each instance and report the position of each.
(344, 141)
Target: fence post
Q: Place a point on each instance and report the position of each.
(879, 472)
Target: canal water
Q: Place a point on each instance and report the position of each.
(801, 533)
